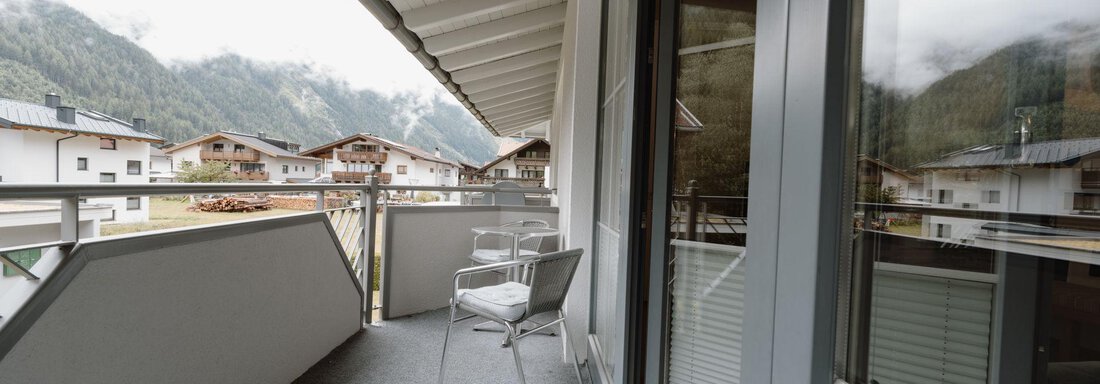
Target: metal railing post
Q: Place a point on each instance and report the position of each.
(70, 219)
(693, 210)
(369, 202)
(321, 200)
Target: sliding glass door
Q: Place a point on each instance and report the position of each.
(975, 175)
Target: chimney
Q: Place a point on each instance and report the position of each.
(261, 135)
(1022, 135)
(66, 114)
(52, 100)
(139, 124)
(437, 154)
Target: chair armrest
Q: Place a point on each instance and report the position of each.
(478, 236)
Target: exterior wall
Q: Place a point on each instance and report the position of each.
(162, 164)
(183, 155)
(273, 165)
(31, 157)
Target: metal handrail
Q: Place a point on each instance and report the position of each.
(10, 191)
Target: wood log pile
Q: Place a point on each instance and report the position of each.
(233, 204)
(306, 203)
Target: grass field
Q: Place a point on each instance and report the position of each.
(911, 229)
(165, 214)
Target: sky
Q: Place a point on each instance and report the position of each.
(340, 37)
(910, 44)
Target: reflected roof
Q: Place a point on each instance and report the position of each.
(1057, 153)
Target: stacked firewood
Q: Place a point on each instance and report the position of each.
(232, 204)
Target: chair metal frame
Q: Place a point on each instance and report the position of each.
(530, 243)
(544, 296)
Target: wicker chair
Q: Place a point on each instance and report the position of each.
(512, 303)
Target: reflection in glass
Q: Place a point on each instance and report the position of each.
(978, 189)
(710, 130)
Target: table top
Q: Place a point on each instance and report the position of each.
(512, 231)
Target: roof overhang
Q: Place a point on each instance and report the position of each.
(499, 58)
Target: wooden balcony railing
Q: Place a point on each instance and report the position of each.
(359, 177)
(533, 161)
(207, 154)
(1090, 178)
(366, 157)
(251, 175)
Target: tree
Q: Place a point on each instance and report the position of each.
(208, 172)
(871, 193)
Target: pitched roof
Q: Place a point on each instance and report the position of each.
(512, 152)
(888, 166)
(393, 145)
(248, 140)
(20, 113)
(509, 145)
(1055, 152)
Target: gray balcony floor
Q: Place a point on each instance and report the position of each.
(407, 350)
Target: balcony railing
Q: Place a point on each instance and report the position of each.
(360, 177)
(212, 155)
(533, 161)
(365, 157)
(251, 175)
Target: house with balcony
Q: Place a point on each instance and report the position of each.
(1056, 177)
(522, 162)
(160, 166)
(349, 160)
(54, 143)
(251, 158)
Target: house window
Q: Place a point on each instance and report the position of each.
(372, 148)
(945, 196)
(133, 167)
(1086, 202)
(25, 258)
(991, 197)
(82, 201)
(446, 173)
(402, 169)
(943, 231)
(133, 203)
(107, 144)
(967, 176)
(431, 170)
(531, 174)
(286, 169)
(218, 147)
(82, 163)
(252, 167)
(238, 148)
(358, 148)
(106, 177)
(500, 172)
(378, 167)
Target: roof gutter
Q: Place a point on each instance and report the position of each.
(386, 14)
(57, 156)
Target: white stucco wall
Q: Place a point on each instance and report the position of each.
(32, 157)
(418, 172)
(306, 169)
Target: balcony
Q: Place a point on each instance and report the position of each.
(276, 299)
(360, 177)
(251, 175)
(211, 155)
(362, 157)
(533, 161)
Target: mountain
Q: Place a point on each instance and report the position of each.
(50, 47)
(977, 105)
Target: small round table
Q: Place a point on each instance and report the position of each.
(517, 234)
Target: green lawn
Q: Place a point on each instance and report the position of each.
(172, 213)
(910, 229)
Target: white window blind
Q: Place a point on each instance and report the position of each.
(708, 296)
(929, 329)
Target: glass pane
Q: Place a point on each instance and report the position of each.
(710, 131)
(607, 306)
(976, 199)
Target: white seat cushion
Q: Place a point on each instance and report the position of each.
(489, 256)
(507, 301)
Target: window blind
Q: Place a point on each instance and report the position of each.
(929, 329)
(708, 295)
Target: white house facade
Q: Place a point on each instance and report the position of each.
(349, 160)
(251, 158)
(52, 143)
(525, 163)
